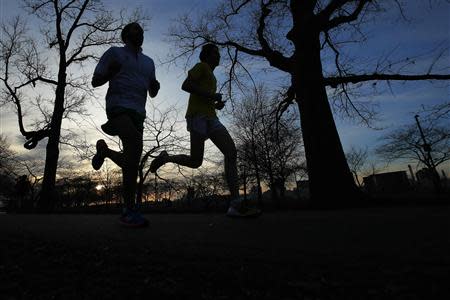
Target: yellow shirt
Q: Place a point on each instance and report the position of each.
(202, 74)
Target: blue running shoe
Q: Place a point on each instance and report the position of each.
(133, 219)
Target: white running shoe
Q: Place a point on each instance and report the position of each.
(238, 209)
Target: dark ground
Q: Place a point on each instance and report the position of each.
(365, 253)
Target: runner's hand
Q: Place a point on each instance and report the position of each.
(219, 104)
(154, 87)
(216, 98)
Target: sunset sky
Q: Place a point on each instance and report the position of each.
(427, 28)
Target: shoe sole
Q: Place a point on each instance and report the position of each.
(96, 161)
(96, 165)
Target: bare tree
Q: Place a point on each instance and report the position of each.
(72, 31)
(357, 159)
(249, 169)
(269, 145)
(76, 190)
(374, 167)
(6, 155)
(436, 113)
(246, 134)
(15, 165)
(159, 135)
(109, 184)
(291, 37)
(7, 170)
(206, 185)
(406, 144)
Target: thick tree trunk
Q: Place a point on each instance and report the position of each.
(48, 196)
(330, 180)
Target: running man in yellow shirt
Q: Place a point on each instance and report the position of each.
(203, 123)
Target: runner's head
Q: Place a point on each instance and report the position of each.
(133, 34)
(210, 55)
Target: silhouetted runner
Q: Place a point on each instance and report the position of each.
(131, 74)
(203, 123)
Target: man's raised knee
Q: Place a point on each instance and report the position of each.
(195, 164)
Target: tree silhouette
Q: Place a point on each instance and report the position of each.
(110, 181)
(6, 155)
(356, 159)
(14, 165)
(72, 31)
(290, 36)
(406, 143)
(269, 147)
(159, 135)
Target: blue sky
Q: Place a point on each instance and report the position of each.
(427, 26)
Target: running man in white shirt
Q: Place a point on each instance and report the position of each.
(130, 74)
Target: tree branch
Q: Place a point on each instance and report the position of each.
(235, 11)
(33, 82)
(68, 5)
(58, 20)
(331, 8)
(335, 81)
(75, 22)
(275, 58)
(335, 22)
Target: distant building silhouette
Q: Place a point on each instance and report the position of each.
(389, 182)
(424, 175)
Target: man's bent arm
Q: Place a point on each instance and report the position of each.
(98, 80)
(191, 87)
(112, 69)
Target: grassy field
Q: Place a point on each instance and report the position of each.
(363, 253)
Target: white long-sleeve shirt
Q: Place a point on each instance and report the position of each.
(129, 87)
